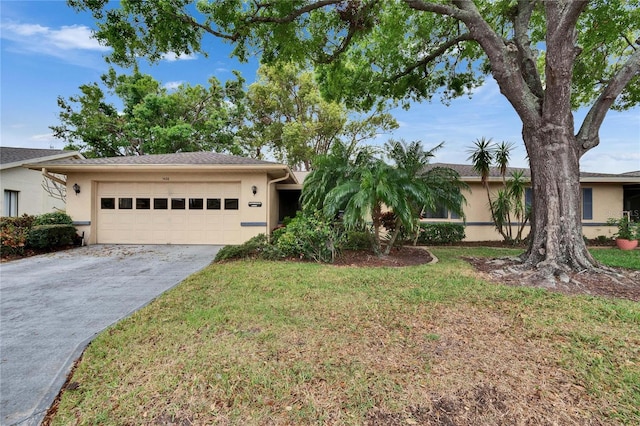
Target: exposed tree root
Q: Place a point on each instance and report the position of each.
(601, 280)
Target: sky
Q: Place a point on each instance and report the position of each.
(47, 51)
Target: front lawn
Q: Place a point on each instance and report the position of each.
(256, 342)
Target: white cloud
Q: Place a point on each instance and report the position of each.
(173, 85)
(172, 57)
(51, 41)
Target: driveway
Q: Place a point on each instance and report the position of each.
(52, 306)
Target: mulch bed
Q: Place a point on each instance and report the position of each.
(404, 256)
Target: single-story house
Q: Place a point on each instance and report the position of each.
(182, 198)
(603, 196)
(22, 189)
(211, 198)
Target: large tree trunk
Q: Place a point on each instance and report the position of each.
(556, 240)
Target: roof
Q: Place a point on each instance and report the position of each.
(16, 157)
(184, 161)
(467, 172)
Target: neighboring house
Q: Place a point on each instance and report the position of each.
(210, 198)
(22, 190)
(183, 198)
(603, 196)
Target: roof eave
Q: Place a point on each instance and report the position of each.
(274, 170)
(33, 161)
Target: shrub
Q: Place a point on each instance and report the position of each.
(256, 247)
(357, 240)
(312, 237)
(47, 236)
(54, 218)
(13, 233)
(441, 233)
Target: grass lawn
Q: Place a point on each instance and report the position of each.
(253, 343)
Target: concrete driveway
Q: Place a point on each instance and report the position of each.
(51, 307)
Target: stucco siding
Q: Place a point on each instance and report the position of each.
(32, 198)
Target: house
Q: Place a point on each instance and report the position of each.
(22, 189)
(603, 196)
(211, 198)
(182, 198)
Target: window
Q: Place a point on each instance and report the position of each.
(107, 203)
(528, 198)
(10, 203)
(178, 204)
(160, 204)
(196, 204)
(125, 203)
(231, 204)
(440, 213)
(587, 203)
(213, 204)
(143, 203)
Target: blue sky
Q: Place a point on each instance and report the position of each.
(47, 51)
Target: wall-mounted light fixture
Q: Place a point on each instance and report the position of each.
(254, 189)
(76, 188)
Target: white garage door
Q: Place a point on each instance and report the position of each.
(168, 213)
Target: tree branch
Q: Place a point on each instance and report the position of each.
(293, 15)
(523, 42)
(433, 55)
(438, 8)
(588, 135)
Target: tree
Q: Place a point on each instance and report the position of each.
(153, 120)
(362, 186)
(548, 57)
(508, 204)
(289, 117)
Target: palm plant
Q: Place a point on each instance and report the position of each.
(362, 185)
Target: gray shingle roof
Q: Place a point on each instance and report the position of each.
(10, 155)
(467, 171)
(181, 158)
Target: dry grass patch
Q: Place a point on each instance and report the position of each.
(260, 343)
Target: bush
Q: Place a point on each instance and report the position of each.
(54, 218)
(14, 232)
(310, 236)
(357, 240)
(48, 236)
(256, 247)
(441, 233)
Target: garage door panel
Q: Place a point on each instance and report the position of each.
(145, 223)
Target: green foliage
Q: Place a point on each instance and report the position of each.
(251, 249)
(627, 229)
(356, 184)
(289, 117)
(312, 237)
(507, 206)
(155, 120)
(14, 232)
(357, 240)
(48, 236)
(53, 218)
(441, 233)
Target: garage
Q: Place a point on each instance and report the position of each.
(181, 198)
(168, 213)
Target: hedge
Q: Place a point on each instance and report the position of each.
(47, 236)
(441, 233)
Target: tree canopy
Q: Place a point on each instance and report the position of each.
(289, 117)
(547, 57)
(152, 119)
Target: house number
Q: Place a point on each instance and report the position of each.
(165, 178)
